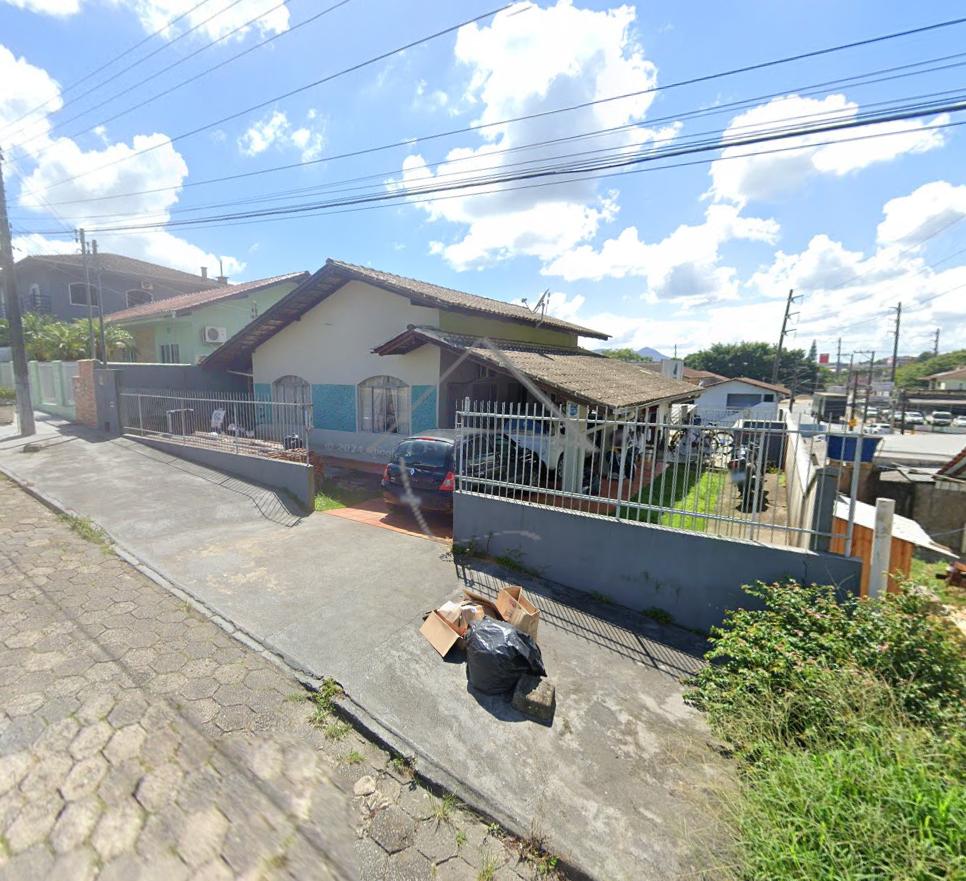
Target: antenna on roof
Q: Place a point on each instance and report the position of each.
(541, 306)
(222, 278)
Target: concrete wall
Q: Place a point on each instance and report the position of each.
(51, 385)
(694, 577)
(177, 376)
(294, 478)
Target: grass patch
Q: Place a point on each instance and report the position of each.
(354, 758)
(846, 719)
(460, 838)
(924, 574)
(331, 495)
(336, 730)
(488, 868)
(7, 395)
(87, 529)
(443, 808)
(683, 487)
(323, 702)
(659, 615)
(404, 766)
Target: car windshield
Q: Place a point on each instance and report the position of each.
(427, 453)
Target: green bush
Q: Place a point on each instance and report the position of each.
(847, 719)
(7, 394)
(804, 632)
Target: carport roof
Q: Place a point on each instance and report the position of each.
(581, 375)
(237, 352)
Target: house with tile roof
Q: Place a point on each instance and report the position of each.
(186, 328)
(948, 380)
(381, 356)
(55, 284)
(725, 400)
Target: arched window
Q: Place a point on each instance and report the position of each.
(291, 390)
(384, 405)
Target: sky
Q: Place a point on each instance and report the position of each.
(673, 253)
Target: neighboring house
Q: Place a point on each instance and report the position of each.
(676, 369)
(948, 380)
(189, 327)
(739, 397)
(380, 356)
(54, 285)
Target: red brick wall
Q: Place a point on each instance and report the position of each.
(84, 402)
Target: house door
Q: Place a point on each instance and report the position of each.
(295, 391)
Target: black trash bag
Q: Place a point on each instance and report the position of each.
(497, 655)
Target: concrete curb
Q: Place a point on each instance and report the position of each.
(428, 770)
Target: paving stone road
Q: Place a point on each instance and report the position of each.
(139, 740)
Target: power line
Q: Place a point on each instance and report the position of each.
(291, 92)
(139, 105)
(407, 142)
(140, 61)
(107, 64)
(678, 84)
(580, 169)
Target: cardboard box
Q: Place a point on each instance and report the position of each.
(446, 626)
(516, 609)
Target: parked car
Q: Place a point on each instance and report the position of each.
(546, 439)
(940, 418)
(960, 422)
(878, 428)
(914, 417)
(427, 463)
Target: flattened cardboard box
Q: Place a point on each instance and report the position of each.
(512, 605)
(446, 626)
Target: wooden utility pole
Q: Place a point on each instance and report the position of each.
(100, 304)
(838, 357)
(935, 345)
(21, 381)
(781, 337)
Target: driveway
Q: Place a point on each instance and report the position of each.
(617, 786)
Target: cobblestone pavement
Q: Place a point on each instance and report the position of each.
(139, 740)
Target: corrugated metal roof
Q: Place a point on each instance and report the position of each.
(236, 353)
(579, 374)
(187, 302)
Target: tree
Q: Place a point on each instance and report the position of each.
(625, 355)
(912, 375)
(755, 361)
(49, 340)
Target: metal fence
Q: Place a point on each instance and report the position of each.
(235, 423)
(729, 478)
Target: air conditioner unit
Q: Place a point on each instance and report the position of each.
(215, 334)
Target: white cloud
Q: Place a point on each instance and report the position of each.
(526, 61)
(52, 160)
(766, 177)
(47, 7)
(684, 264)
(275, 130)
(925, 211)
(155, 14)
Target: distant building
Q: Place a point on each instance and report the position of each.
(948, 380)
(189, 327)
(740, 396)
(54, 285)
(678, 370)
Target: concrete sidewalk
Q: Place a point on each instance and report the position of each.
(617, 786)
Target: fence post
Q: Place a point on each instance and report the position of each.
(853, 491)
(140, 417)
(881, 547)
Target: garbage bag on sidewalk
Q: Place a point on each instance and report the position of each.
(497, 655)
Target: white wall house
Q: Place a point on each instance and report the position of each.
(741, 397)
(381, 357)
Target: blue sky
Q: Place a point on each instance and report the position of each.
(681, 256)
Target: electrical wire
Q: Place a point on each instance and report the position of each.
(106, 64)
(339, 186)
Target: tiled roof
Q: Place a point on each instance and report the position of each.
(955, 467)
(579, 374)
(474, 302)
(780, 389)
(186, 302)
(957, 373)
(131, 266)
(237, 352)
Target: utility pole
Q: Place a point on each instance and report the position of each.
(848, 388)
(895, 343)
(87, 288)
(21, 381)
(868, 390)
(781, 337)
(838, 357)
(100, 304)
(935, 345)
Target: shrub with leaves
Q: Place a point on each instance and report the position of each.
(804, 632)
